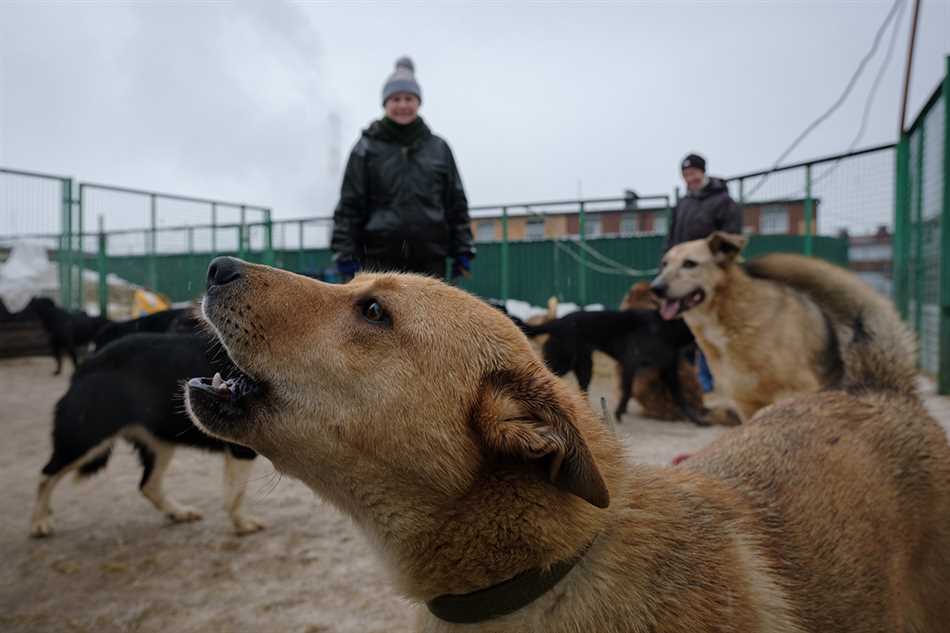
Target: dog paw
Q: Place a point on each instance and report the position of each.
(184, 515)
(41, 528)
(247, 525)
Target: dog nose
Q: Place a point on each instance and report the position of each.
(658, 288)
(224, 270)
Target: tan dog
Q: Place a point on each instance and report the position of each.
(649, 389)
(496, 497)
(776, 327)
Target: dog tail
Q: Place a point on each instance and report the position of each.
(877, 350)
(527, 329)
(552, 308)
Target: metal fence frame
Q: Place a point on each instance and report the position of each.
(909, 256)
(807, 185)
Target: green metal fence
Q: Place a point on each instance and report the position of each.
(922, 240)
(848, 195)
(59, 212)
(39, 204)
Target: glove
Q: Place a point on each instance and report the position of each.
(347, 267)
(461, 266)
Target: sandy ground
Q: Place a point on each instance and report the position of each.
(115, 564)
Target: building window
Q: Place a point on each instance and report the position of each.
(628, 224)
(659, 223)
(774, 220)
(534, 229)
(485, 231)
(592, 227)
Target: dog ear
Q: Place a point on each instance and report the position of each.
(725, 247)
(521, 418)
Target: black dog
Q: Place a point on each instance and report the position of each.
(634, 338)
(133, 389)
(181, 320)
(67, 331)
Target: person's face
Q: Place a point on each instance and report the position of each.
(402, 107)
(693, 176)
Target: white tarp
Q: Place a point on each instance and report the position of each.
(27, 273)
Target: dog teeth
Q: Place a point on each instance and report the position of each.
(217, 382)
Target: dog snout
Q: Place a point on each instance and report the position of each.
(658, 288)
(224, 270)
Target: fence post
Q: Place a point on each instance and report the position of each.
(557, 268)
(582, 261)
(919, 230)
(214, 229)
(667, 213)
(268, 238)
(300, 268)
(103, 280)
(943, 363)
(152, 244)
(901, 262)
(76, 285)
(809, 212)
(742, 200)
(242, 230)
(66, 245)
(191, 253)
(504, 254)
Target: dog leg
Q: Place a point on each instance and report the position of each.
(57, 356)
(155, 457)
(627, 374)
(584, 368)
(672, 380)
(237, 470)
(40, 523)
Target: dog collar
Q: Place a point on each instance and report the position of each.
(506, 597)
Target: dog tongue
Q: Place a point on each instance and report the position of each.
(669, 309)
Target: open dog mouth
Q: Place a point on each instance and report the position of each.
(672, 308)
(231, 398)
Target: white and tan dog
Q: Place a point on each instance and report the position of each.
(497, 499)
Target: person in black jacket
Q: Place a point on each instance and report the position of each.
(705, 208)
(402, 206)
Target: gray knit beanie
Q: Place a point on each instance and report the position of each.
(403, 79)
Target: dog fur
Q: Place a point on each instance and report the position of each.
(779, 326)
(181, 320)
(423, 414)
(131, 389)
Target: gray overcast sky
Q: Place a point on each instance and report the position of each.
(236, 100)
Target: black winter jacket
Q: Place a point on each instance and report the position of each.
(702, 212)
(401, 201)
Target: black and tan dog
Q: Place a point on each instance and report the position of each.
(775, 327)
(496, 497)
(132, 390)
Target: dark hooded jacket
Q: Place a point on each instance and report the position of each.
(402, 198)
(702, 212)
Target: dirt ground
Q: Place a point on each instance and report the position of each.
(115, 564)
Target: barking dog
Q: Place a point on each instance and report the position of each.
(132, 389)
(780, 326)
(498, 499)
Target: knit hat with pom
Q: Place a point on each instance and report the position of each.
(403, 79)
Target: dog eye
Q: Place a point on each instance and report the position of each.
(688, 263)
(373, 312)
